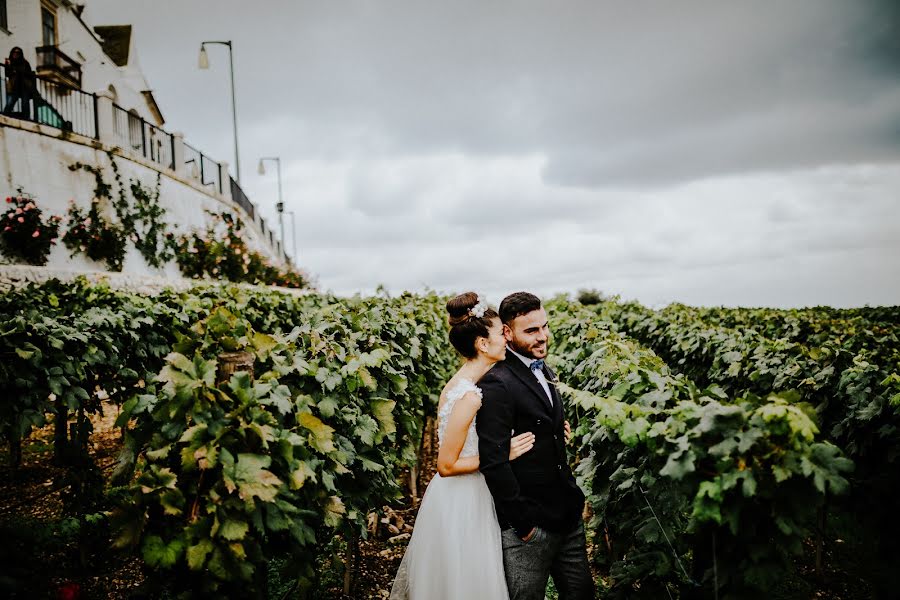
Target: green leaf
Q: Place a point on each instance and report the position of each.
(172, 502)
(369, 465)
(233, 530)
(678, 465)
(196, 555)
(321, 435)
(367, 379)
(159, 554)
(334, 511)
(383, 411)
(327, 407)
(276, 520)
(707, 502)
(263, 343)
(301, 474)
(250, 478)
(24, 354)
(365, 430)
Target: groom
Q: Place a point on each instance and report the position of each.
(538, 502)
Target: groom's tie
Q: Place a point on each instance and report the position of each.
(537, 365)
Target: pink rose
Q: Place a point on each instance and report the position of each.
(87, 222)
(7, 228)
(21, 219)
(36, 233)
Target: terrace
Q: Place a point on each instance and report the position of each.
(60, 104)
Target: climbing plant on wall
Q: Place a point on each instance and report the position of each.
(140, 220)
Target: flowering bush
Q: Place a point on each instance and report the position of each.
(220, 252)
(96, 237)
(25, 234)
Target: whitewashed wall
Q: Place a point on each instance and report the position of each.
(36, 158)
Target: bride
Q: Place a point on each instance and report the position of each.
(455, 550)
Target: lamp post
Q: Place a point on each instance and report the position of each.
(293, 237)
(203, 63)
(280, 206)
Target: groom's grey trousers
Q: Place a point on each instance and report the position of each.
(558, 555)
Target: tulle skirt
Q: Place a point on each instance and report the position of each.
(455, 551)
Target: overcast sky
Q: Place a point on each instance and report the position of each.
(740, 153)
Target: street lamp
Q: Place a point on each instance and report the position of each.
(203, 63)
(293, 236)
(280, 205)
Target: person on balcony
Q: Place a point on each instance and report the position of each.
(20, 83)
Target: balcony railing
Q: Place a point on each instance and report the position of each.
(131, 131)
(55, 64)
(54, 104)
(202, 168)
(241, 199)
(68, 109)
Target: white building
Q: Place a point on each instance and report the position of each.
(62, 47)
(93, 104)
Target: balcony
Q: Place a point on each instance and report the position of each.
(54, 64)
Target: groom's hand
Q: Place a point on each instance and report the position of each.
(530, 535)
(568, 432)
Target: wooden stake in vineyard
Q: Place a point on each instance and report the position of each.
(231, 363)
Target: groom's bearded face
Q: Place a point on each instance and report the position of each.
(529, 334)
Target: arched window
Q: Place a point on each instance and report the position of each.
(135, 131)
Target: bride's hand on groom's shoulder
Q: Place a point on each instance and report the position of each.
(568, 432)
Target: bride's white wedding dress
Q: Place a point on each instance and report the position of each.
(455, 550)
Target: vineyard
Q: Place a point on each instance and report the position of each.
(262, 439)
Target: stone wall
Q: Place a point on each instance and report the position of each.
(16, 276)
(36, 159)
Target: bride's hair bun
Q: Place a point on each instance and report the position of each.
(470, 318)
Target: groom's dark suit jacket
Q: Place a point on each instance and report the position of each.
(537, 488)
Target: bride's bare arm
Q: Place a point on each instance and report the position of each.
(449, 462)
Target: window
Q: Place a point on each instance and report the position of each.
(135, 131)
(4, 23)
(48, 25)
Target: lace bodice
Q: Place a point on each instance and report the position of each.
(464, 386)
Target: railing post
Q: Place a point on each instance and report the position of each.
(96, 124)
(224, 190)
(103, 111)
(143, 137)
(178, 154)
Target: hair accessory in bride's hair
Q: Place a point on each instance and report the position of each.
(479, 309)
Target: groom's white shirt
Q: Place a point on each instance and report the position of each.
(539, 374)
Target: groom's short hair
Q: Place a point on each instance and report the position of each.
(519, 303)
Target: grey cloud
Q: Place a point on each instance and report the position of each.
(705, 152)
(609, 92)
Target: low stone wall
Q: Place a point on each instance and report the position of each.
(15, 276)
